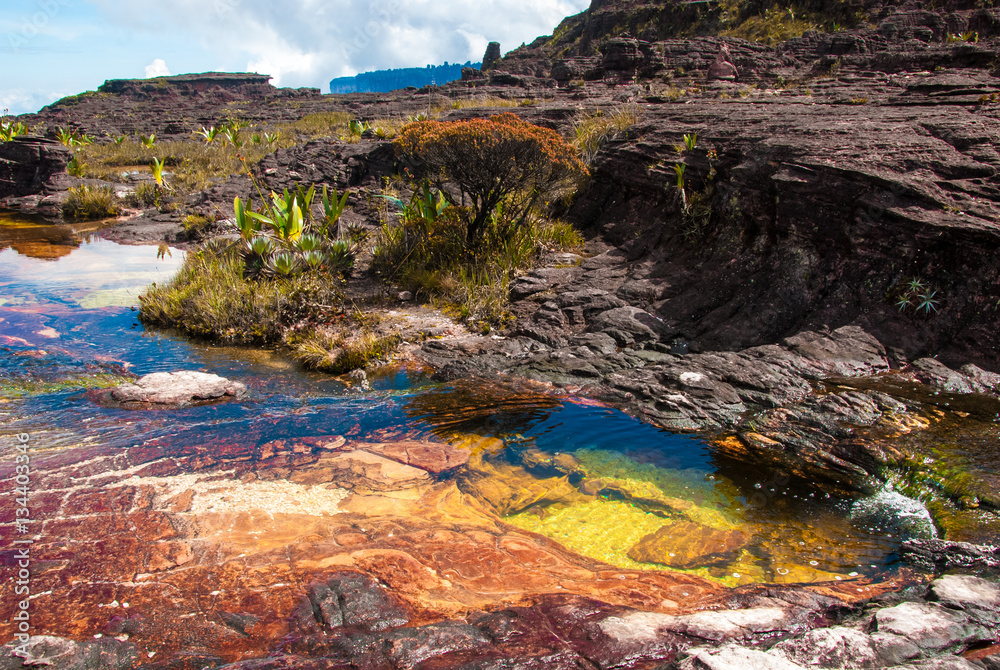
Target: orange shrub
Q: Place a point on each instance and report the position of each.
(494, 161)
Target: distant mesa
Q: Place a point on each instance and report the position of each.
(383, 81)
(191, 83)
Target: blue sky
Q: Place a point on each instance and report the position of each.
(54, 48)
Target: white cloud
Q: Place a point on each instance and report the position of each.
(158, 68)
(307, 43)
(23, 101)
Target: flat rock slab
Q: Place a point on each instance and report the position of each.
(178, 388)
(686, 544)
(429, 456)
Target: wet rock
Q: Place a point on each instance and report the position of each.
(685, 544)
(965, 590)
(932, 372)
(928, 627)
(944, 663)
(177, 388)
(737, 625)
(941, 555)
(628, 325)
(350, 599)
(890, 510)
(428, 456)
(732, 657)
(408, 647)
(57, 652)
(836, 647)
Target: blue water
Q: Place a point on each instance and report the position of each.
(68, 312)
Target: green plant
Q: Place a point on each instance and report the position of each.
(156, 167)
(91, 202)
(690, 141)
(148, 141)
(340, 258)
(75, 167)
(10, 129)
(916, 295)
(118, 139)
(281, 264)
(356, 127)
(195, 222)
(209, 134)
(145, 194)
(284, 217)
(246, 223)
(308, 243)
(679, 169)
(71, 138)
(333, 208)
(333, 352)
(232, 136)
(212, 296)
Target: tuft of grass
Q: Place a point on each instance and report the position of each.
(560, 236)
(333, 352)
(210, 297)
(319, 124)
(146, 194)
(593, 131)
(89, 202)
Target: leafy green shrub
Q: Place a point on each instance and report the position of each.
(89, 202)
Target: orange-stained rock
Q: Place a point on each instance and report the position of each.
(685, 544)
(430, 456)
(216, 547)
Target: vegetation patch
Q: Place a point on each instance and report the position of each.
(91, 202)
(211, 297)
(593, 130)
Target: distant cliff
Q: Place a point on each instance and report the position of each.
(380, 81)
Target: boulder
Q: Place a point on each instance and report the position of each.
(722, 68)
(180, 388)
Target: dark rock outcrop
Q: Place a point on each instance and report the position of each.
(491, 56)
(28, 164)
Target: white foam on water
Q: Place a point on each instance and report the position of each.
(891, 508)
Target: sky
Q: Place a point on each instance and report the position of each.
(54, 48)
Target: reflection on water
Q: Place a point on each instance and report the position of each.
(35, 238)
(591, 477)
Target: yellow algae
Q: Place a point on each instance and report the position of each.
(602, 529)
